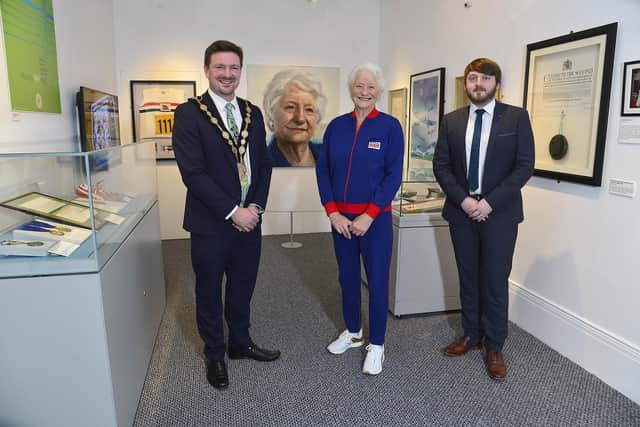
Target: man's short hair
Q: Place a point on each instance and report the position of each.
(484, 66)
(222, 46)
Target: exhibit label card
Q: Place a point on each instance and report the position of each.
(30, 46)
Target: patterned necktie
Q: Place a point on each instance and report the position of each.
(235, 134)
(474, 162)
(231, 122)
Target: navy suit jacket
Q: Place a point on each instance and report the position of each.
(508, 163)
(209, 168)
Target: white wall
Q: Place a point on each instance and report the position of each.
(574, 280)
(162, 39)
(85, 47)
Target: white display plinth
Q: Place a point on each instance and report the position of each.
(423, 276)
(74, 348)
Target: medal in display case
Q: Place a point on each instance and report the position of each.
(415, 197)
(81, 282)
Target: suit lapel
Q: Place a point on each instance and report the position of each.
(462, 137)
(208, 101)
(498, 112)
(243, 105)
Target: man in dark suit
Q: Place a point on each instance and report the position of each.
(484, 156)
(220, 146)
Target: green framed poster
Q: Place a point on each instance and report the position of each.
(30, 46)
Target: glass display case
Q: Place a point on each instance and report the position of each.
(423, 274)
(64, 213)
(415, 197)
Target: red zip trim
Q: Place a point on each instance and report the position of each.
(346, 184)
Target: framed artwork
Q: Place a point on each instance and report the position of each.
(461, 98)
(153, 104)
(398, 107)
(57, 209)
(567, 90)
(631, 89)
(313, 88)
(426, 106)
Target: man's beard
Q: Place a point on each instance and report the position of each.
(487, 96)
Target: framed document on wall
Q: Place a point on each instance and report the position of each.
(567, 90)
(425, 112)
(153, 104)
(398, 107)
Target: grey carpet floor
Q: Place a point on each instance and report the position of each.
(296, 308)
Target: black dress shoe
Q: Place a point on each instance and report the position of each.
(252, 352)
(217, 374)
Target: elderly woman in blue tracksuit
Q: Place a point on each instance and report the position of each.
(359, 172)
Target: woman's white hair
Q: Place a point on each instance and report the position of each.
(304, 81)
(373, 69)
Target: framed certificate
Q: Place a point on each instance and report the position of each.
(153, 104)
(60, 210)
(567, 90)
(631, 89)
(398, 106)
(425, 112)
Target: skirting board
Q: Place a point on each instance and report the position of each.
(610, 358)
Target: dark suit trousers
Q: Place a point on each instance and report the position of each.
(236, 255)
(484, 254)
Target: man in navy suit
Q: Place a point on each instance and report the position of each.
(220, 146)
(483, 157)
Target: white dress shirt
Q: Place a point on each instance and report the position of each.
(487, 120)
(220, 104)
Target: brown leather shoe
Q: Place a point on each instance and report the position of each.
(496, 368)
(460, 347)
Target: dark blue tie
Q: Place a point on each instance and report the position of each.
(474, 162)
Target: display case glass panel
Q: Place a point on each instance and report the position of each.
(418, 197)
(64, 213)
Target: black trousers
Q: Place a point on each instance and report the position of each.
(484, 254)
(235, 255)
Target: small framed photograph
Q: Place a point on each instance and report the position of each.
(631, 89)
(398, 106)
(426, 106)
(153, 104)
(567, 91)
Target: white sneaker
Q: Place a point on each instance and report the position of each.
(345, 341)
(373, 362)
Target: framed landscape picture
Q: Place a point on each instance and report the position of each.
(426, 106)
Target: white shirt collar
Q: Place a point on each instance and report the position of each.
(487, 108)
(221, 102)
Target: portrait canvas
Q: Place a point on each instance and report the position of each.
(263, 82)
